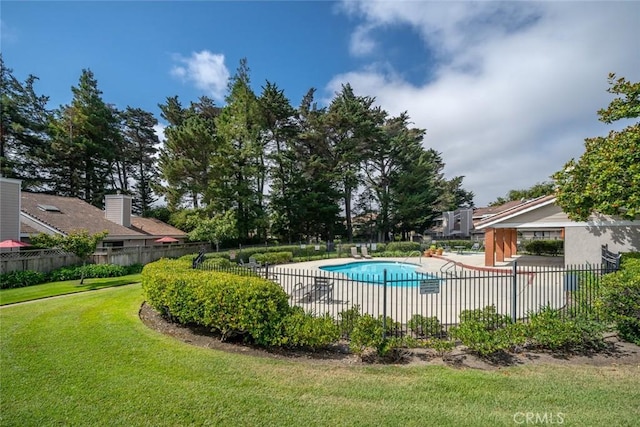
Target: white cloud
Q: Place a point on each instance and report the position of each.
(7, 34)
(361, 43)
(159, 130)
(508, 104)
(204, 69)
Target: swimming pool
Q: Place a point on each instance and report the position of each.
(398, 273)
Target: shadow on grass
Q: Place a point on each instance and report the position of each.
(105, 284)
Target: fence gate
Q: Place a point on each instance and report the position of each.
(610, 260)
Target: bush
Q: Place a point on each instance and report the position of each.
(231, 305)
(366, 333)
(88, 271)
(488, 317)
(440, 345)
(549, 330)
(484, 341)
(402, 247)
(619, 300)
(134, 269)
(304, 330)
(348, 319)
(20, 279)
(216, 262)
(274, 257)
(546, 247)
(425, 326)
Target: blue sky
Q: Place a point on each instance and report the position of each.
(506, 91)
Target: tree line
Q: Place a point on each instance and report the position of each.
(254, 169)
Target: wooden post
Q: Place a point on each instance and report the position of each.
(499, 244)
(489, 247)
(507, 243)
(514, 242)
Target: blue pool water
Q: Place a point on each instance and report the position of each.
(398, 273)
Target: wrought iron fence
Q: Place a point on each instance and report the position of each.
(516, 292)
(610, 260)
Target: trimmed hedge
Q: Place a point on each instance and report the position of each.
(274, 258)
(402, 247)
(230, 305)
(544, 247)
(18, 279)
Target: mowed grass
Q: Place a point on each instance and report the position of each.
(45, 290)
(86, 359)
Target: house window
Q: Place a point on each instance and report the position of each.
(115, 244)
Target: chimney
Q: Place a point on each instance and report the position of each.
(117, 208)
(9, 208)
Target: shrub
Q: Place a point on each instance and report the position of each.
(628, 255)
(134, 269)
(425, 326)
(20, 279)
(619, 300)
(548, 329)
(216, 262)
(303, 330)
(547, 247)
(87, 271)
(402, 246)
(231, 305)
(348, 319)
(274, 257)
(477, 337)
(488, 317)
(440, 345)
(485, 341)
(366, 333)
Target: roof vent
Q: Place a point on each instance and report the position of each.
(48, 208)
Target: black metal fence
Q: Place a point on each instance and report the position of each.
(515, 291)
(610, 260)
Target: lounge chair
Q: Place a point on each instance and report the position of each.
(321, 287)
(354, 252)
(365, 252)
(475, 247)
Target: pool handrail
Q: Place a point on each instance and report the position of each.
(416, 252)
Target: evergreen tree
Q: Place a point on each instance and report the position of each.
(84, 147)
(188, 160)
(351, 123)
(23, 124)
(278, 134)
(140, 149)
(239, 126)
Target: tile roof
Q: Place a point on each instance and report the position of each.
(519, 208)
(155, 227)
(76, 214)
(494, 210)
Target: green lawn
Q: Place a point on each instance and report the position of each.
(86, 359)
(45, 290)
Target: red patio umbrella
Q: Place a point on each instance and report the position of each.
(10, 243)
(166, 239)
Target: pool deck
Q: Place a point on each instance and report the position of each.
(478, 287)
(471, 261)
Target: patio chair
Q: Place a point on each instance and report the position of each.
(365, 252)
(354, 252)
(321, 287)
(475, 247)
